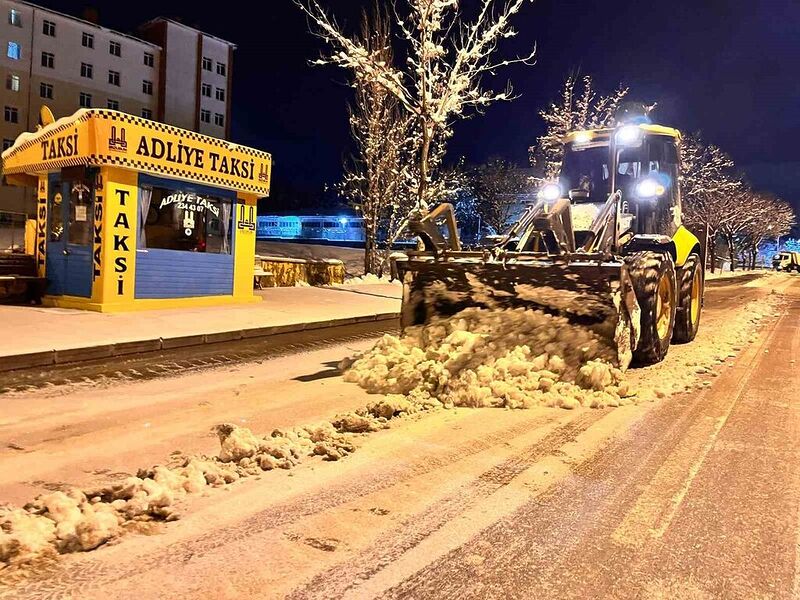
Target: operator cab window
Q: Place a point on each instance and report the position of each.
(584, 172)
(659, 215)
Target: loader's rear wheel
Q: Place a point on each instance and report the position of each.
(653, 277)
(690, 300)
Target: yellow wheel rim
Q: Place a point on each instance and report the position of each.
(664, 300)
(697, 287)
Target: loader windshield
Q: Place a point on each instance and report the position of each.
(585, 169)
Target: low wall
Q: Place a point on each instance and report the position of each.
(287, 272)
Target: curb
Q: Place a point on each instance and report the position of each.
(72, 355)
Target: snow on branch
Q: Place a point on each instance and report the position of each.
(578, 107)
(440, 79)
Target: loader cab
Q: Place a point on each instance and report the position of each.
(641, 161)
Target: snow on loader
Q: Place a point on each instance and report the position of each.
(604, 247)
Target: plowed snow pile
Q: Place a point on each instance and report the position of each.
(82, 520)
(512, 358)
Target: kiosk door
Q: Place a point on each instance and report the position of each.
(69, 248)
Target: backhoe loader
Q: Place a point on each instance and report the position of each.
(603, 246)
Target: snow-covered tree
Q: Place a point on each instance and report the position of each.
(497, 186)
(441, 78)
(578, 107)
(711, 193)
(374, 180)
(771, 219)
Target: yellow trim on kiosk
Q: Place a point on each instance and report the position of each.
(100, 137)
(119, 147)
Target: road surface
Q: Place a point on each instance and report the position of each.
(695, 494)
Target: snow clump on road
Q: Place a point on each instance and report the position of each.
(514, 358)
(81, 520)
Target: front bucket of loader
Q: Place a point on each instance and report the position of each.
(595, 295)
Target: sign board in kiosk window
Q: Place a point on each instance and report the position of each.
(185, 220)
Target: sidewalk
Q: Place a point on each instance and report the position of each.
(32, 336)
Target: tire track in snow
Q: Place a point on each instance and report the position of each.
(342, 578)
(553, 543)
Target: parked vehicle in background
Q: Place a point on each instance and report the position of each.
(786, 261)
(313, 227)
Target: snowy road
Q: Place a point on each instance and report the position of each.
(693, 495)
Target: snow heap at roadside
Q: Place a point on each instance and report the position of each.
(513, 358)
(369, 279)
(81, 520)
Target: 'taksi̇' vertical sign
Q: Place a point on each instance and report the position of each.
(124, 240)
(115, 237)
(41, 227)
(97, 236)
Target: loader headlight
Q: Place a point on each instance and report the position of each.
(650, 188)
(629, 135)
(550, 192)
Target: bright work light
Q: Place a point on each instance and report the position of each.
(629, 135)
(342, 220)
(649, 188)
(582, 137)
(550, 192)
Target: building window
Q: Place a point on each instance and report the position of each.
(12, 83)
(46, 90)
(147, 113)
(205, 115)
(147, 87)
(49, 28)
(149, 59)
(85, 100)
(87, 40)
(11, 114)
(13, 51)
(206, 63)
(220, 94)
(113, 78)
(7, 143)
(205, 89)
(87, 70)
(220, 68)
(115, 48)
(113, 104)
(48, 60)
(15, 18)
(219, 119)
(187, 221)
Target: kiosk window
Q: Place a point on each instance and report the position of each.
(184, 220)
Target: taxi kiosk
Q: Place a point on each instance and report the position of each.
(135, 214)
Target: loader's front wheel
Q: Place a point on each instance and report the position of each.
(690, 300)
(653, 277)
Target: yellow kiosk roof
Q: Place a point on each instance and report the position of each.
(97, 137)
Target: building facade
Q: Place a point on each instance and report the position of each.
(67, 63)
(194, 83)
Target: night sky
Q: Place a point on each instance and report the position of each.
(729, 68)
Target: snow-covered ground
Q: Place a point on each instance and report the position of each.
(89, 438)
(718, 274)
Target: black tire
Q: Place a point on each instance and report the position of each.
(653, 277)
(687, 322)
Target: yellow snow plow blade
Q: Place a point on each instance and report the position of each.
(594, 295)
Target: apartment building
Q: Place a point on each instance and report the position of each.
(195, 76)
(171, 73)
